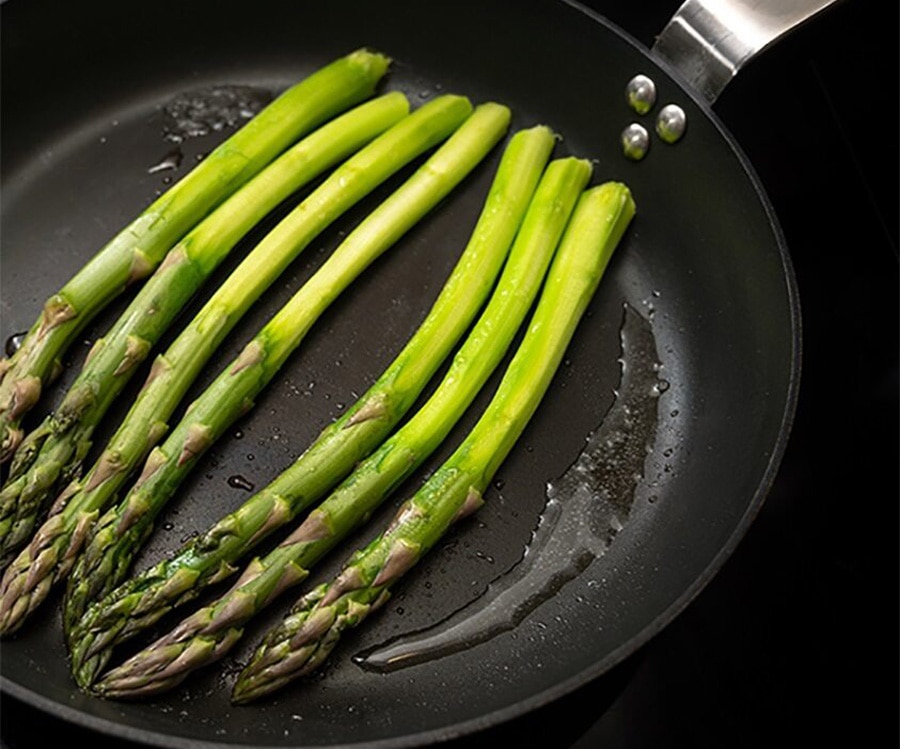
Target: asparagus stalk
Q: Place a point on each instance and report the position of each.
(120, 533)
(313, 627)
(56, 449)
(139, 248)
(388, 466)
(212, 631)
(50, 554)
(143, 598)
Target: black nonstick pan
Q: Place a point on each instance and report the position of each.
(702, 282)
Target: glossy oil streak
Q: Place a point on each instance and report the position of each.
(586, 507)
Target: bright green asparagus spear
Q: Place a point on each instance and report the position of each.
(403, 452)
(51, 552)
(211, 632)
(136, 251)
(142, 599)
(313, 627)
(55, 450)
(120, 533)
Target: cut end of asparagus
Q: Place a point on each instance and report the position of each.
(138, 248)
(375, 62)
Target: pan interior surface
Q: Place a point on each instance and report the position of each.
(702, 264)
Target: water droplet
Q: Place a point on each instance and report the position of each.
(239, 482)
(14, 343)
(172, 160)
(239, 434)
(659, 387)
(211, 109)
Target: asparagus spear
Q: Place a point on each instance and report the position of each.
(136, 251)
(376, 476)
(142, 599)
(50, 554)
(120, 533)
(212, 631)
(56, 449)
(313, 627)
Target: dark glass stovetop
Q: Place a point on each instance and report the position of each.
(795, 640)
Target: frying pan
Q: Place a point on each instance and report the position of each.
(84, 95)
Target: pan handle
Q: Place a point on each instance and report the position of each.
(709, 41)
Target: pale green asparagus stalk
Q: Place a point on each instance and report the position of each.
(120, 533)
(136, 251)
(51, 552)
(209, 558)
(54, 451)
(212, 631)
(313, 627)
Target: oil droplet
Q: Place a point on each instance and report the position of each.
(239, 482)
(14, 343)
(585, 509)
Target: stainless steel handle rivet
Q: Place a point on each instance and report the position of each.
(641, 94)
(635, 141)
(671, 123)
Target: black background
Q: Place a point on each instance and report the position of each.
(796, 639)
